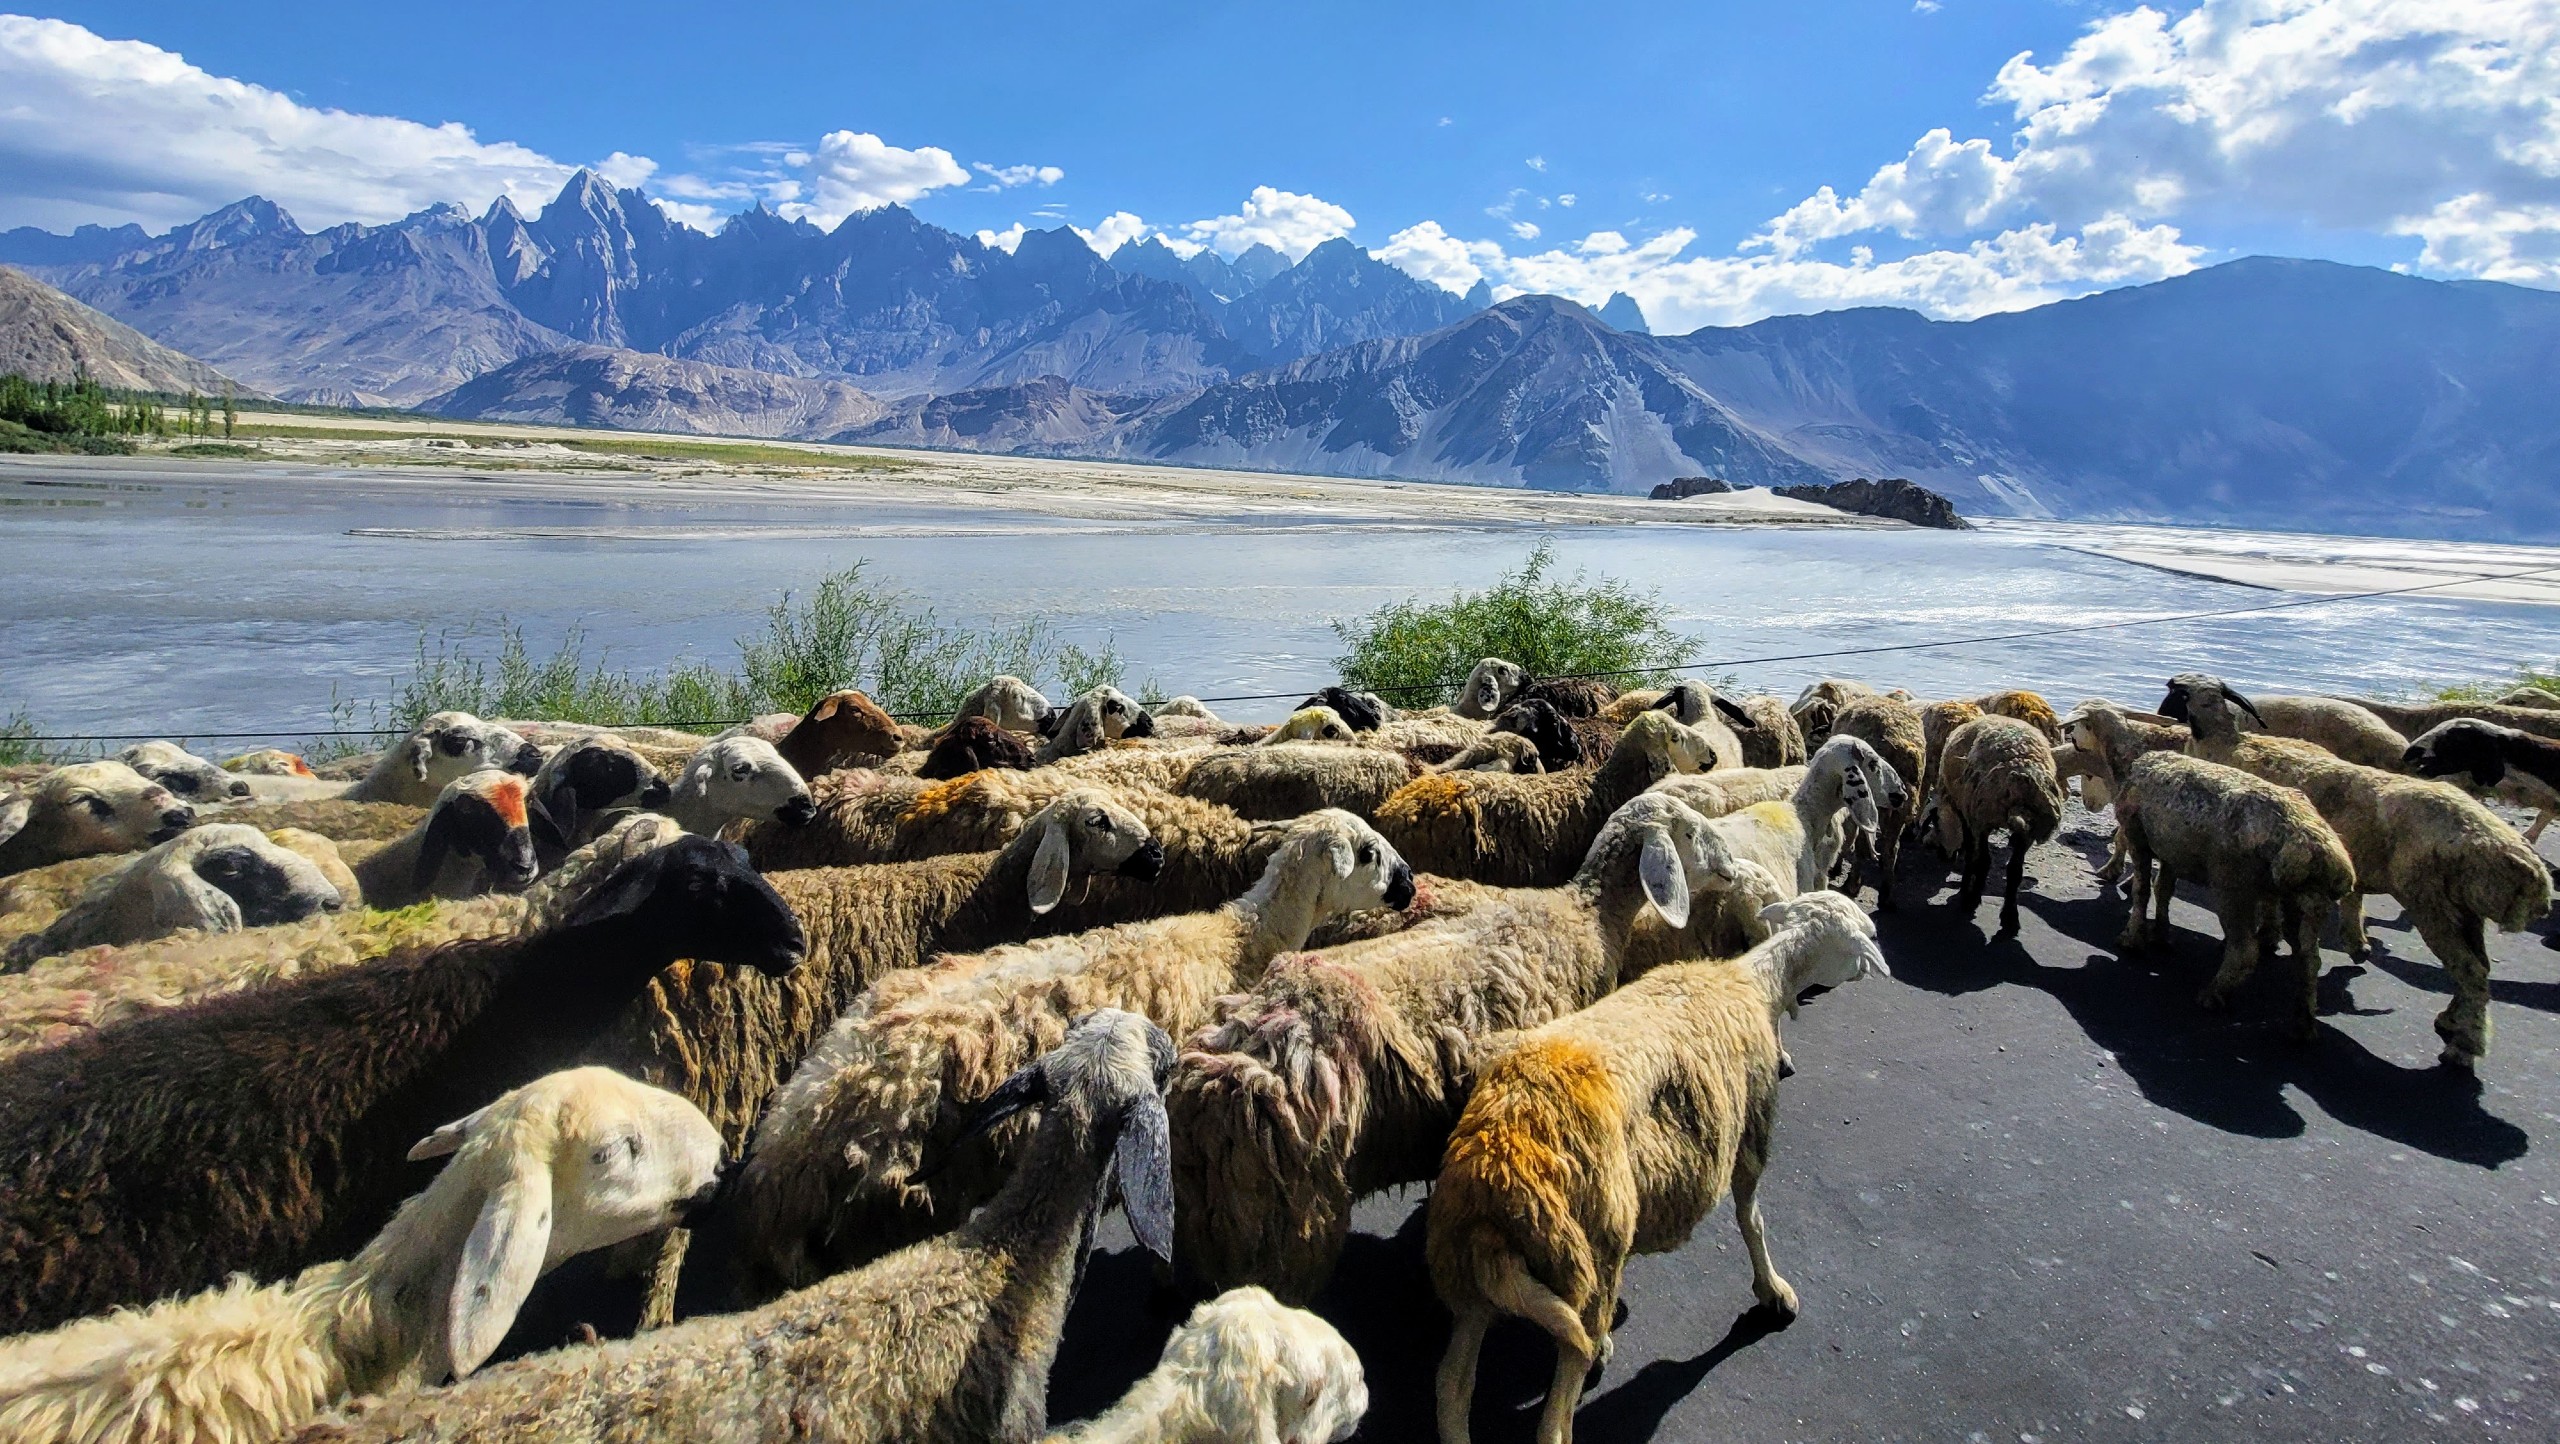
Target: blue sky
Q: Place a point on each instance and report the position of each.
(1679, 151)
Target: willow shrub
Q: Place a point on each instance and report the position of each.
(1415, 653)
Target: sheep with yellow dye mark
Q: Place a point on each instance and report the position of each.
(1310, 724)
(1339, 1074)
(1531, 831)
(835, 1176)
(2021, 705)
(1614, 1131)
(574, 1161)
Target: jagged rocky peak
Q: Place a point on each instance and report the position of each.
(1054, 249)
(1622, 312)
(1257, 264)
(242, 220)
(1480, 295)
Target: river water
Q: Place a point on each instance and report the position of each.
(178, 600)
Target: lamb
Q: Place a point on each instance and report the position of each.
(1497, 752)
(1997, 776)
(1244, 1366)
(1615, 1131)
(1519, 831)
(947, 1342)
(579, 790)
(1094, 721)
(578, 1160)
(1893, 729)
(835, 1175)
(83, 810)
(218, 878)
(1797, 841)
(1310, 724)
(1492, 685)
(738, 777)
(841, 729)
(182, 772)
(262, 1131)
(2515, 766)
(1340, 1073)
(973, 744)
(2024, 706)
(2452, 863)
(445, 746)
(478, 836)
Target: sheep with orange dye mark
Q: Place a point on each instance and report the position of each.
(1531, 830)
(1614, 1131)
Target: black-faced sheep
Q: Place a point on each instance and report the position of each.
(947, 1342)
(586, 787)
(1243, 1367)
(835, 1178)
(1362, 711)
(1341, 1072)
(263, 1131)
(973, 744)
(2455, 866)
(1997, 775)
(83, 810)
(218, 878)
(1547, 729)
(445, 746)
(1615, 1131)
(1720, 719)
(477, 838)
(182, 772)
(2515, 766)
(1530, 831)
(578, 1160)
(2414, 719)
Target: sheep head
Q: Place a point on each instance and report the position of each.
(90, 808)
(839, 728)
(182, 772)
(483, 816)
(696, 897)
(1490, 688)
(1081, 833)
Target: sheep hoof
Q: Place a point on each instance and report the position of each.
(1786, 1065)
(2129, 941)
(2457, 1060)
(2211, 1000)
(1608, 1346)
(1779, 1298)
(2008, 921)
(2361, 951)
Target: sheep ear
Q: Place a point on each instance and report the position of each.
(1343, 860)
(449, 1138)
(441, 826)
(14, 812)
(1143, 1162)
(1049, 867)
(1666, 882)
(1872, 959)
(421, 750)
(623, 891)
(1732, 713)
(1862, 805)
(181, 899)
(557, 822)
(500, 1261)
(827, 707)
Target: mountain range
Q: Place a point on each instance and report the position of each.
(47, 335)
(2259, 392)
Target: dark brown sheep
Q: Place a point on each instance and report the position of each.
(845, 729)
(974, 744)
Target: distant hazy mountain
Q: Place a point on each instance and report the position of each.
(47, 335)
(1622, 312)
(639, 391)
(403, 312)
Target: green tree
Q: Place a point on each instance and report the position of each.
(1415, 653)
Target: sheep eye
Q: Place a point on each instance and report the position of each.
(100, 807)
(182, 784)
(1368, 855)
(1102, 822)
(743, 771)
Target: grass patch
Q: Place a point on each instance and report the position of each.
(2527, 675)
(726, 453)
(17, 740)
(18, 440)
(214, 448)
(1416, 653)
(846, 632)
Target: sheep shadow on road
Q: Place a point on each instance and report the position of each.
(2228, 1070)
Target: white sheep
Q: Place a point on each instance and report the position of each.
(734, 778)
(1614, 1131)
(1311, 724)
(1491, 686)
(445, 746)
(1847, 789)
(218, 878)
(1092, 722)
(574, 1161)
(83, 810)
(183, 772)
(1007, 701)
(1243, 1369)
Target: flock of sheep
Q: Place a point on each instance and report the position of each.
(839, 1036)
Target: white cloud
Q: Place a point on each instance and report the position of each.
(626, 172)
(1536, 162)
(1432, 254)
(1444, 120)
(1113, 231)
(103, 130)
(1525, 230)
(1004, 240)
(1566, 200)
(1925, 7)
(1006, 176)
(1286, 221)
(855, 170)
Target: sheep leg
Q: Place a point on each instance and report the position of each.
(1457, 1387)
(2461, 944)
(2017, 878)
(2138, 864)
(2114, 867)
(658, 1309)
(1749, 1162)
(1602, 1311)
(2305, 925)
(2162, 892)
(2239, 914)
(2541, 820)
(1889, 857)
(1968, 894)
(2351, 927)
(1564, 1395)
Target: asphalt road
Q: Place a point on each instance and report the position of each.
(2028, 1192)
